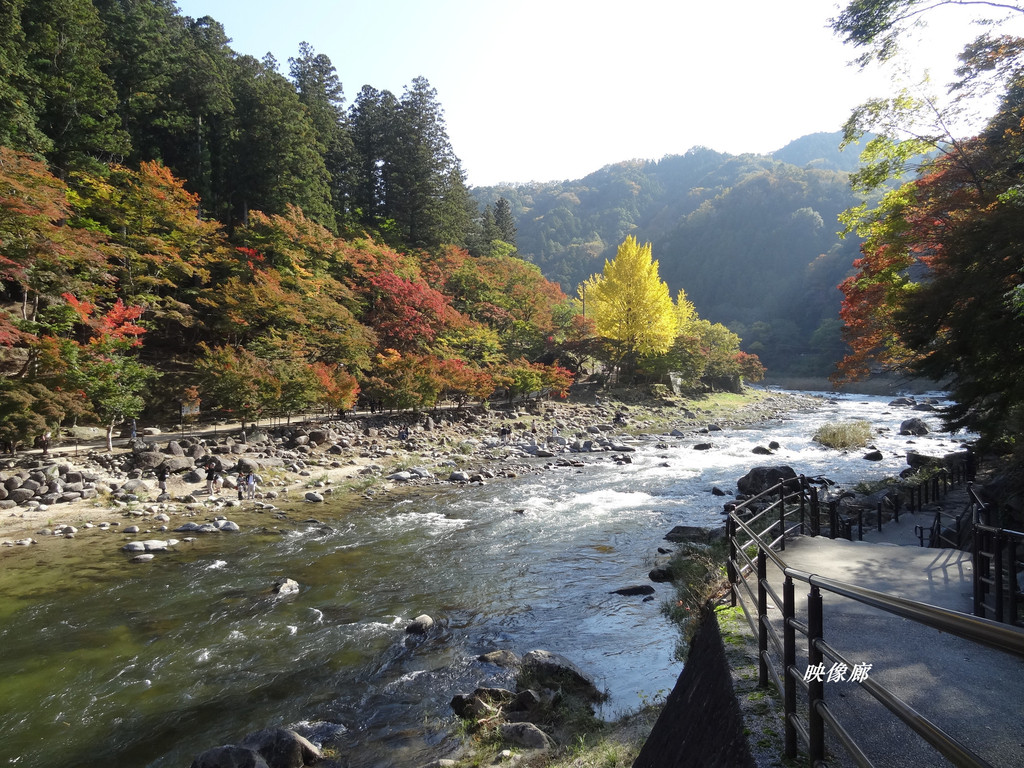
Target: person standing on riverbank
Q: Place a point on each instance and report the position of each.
(211, 476)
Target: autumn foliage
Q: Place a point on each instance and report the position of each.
(112, 275)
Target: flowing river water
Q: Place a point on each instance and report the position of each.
(104, 663)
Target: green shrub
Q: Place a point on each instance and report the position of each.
(844, 434)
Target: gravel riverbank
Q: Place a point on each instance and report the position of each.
(363, 454)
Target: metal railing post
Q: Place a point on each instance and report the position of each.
(1011, 560)
(730, 565)
(979, 572)
(782, 525)
(815, 513)
(997, 567)
(789, 664)
(815, 685)
(762, 617)
(803, 502)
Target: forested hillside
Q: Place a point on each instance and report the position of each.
(751, 239)
(183, 229)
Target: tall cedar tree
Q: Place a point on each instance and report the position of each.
(321, 93)
(73, 98)
(276, 160)
(18, 129)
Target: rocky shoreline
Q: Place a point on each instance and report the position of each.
(71, 490)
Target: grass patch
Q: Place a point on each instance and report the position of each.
(869, 487)
(699, 576)
(843, 434)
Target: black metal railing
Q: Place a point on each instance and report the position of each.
(997, 561)
(938, 485)
(946, 529)
(757, 528)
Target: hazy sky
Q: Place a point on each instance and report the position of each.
(541, 90)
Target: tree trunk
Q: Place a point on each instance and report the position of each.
(110, 436)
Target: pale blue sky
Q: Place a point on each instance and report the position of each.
(541, 90)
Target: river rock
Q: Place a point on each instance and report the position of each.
(641, 589)
(314, 497)
(230, 756)
(246, 465)
(143, 558)
(875, 455)
(286, 586)
(400, 476)
(20, 495)
(525, 735)
(919, 460)
(469, 707)
(282, 748)
(759, 479)
(915, 427)
(502, 658)
(149, 459)
(660, 575)
(553, 671)
(420, 625)
(695, 533)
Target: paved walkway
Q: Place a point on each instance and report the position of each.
(973, 693)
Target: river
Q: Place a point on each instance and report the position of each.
(104, 663)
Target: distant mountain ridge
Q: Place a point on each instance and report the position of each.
(752, 239)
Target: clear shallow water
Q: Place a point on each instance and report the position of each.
(105, 663)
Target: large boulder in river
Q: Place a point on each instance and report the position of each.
(922, 461)
(549, 670)
(761, 478)
(420, 625)
(282, 748)
(915, 427)
(695, 533)
(230, 756)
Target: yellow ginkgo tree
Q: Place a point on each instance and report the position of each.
(631, 306)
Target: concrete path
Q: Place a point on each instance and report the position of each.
(971, 692)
